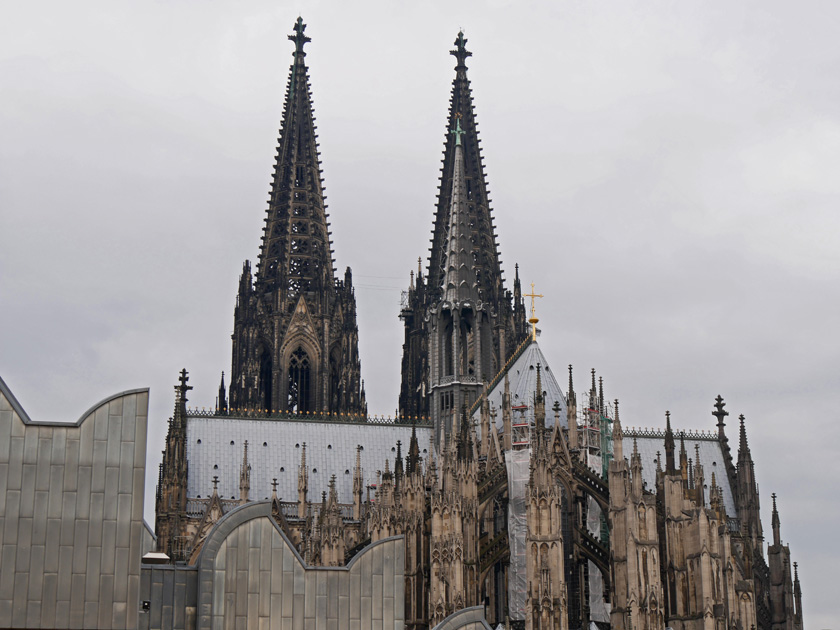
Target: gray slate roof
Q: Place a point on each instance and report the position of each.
(274, 449)
(523, 385)
(711, 456)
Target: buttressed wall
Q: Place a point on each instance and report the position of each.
(71, 515)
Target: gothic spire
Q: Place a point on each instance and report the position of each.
(296, 253)
(777, 536)
(466, 163)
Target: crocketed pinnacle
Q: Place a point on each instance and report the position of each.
(460, 282)
(617, 436)
(670, 464)
(743, 447)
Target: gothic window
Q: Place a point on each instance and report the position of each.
(299, 227)
(299, 392)
(300, 176)
(300, 246)
(299, 211)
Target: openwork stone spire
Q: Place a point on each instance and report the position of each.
(295, 340)
(464, 269)
(296, 252)
(475, 194)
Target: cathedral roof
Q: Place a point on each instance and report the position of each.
(522, 375)
(274, 451)
(711, 457)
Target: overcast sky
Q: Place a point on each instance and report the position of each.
(665, 172)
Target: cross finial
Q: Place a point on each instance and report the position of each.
(534, 319)
(299, 38)
(720, 413)
(274, 484)
(182, 380)
(458, 132)
(215, 482)
(181, 390)
(461, 53)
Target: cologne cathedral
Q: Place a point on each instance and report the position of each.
(515, 495)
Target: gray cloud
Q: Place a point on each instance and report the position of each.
(665, 174)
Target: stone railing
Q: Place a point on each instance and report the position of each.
(337, 418)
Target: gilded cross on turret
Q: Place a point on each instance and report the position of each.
(299, 38)
(458, 132)
(534, 319)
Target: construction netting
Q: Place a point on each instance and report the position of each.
(599, 609)
(518, 470)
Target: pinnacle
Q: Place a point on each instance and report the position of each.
(298, 37)
(461, 53)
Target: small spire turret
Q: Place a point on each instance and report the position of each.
(670, 465)
(244, 477)
(618, 437)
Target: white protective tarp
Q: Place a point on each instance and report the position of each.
(518, 471)
(598, 608)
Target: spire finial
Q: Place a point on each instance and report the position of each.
(571, 385)
(533, 319)
(720, 413)
(461, 53)
(215, 483)
(299, 38)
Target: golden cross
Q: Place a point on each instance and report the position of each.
(534, 319)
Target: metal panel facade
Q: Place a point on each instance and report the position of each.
(68, 511)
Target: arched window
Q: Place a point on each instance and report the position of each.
(299, 382)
